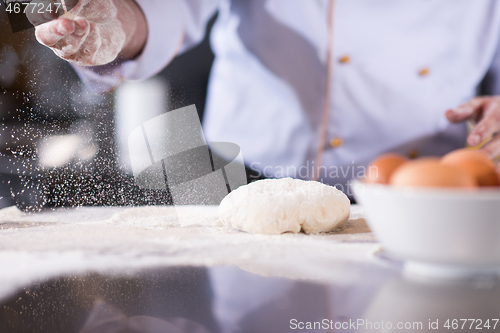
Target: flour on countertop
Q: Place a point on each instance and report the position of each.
(96, 238)
(168, 216)
(10, 214)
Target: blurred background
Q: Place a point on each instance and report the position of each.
(63, 145)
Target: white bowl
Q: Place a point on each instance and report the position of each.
(436, 231)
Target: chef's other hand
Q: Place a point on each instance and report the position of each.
(93, 32)
(485, 111)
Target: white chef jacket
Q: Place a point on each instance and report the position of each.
(397, 66)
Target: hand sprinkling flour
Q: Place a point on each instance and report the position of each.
(93, 32)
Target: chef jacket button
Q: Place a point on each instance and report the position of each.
(345, 59)
(336, 142)
(424, 71)
(413, 154)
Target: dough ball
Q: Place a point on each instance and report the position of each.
(275, 206)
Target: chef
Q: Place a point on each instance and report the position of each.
(312, 89)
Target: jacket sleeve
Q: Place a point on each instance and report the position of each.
(173, 27)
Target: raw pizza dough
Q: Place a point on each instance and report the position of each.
(275, 206)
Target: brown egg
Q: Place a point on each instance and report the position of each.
(430, 172)
(380, 169)
(476, 163)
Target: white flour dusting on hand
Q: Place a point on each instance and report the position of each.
(91, 34)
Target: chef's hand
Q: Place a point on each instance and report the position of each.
(485, 111)
(93, 32)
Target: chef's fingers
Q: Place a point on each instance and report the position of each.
(469, 110)
(72, 43)
(488, 125)
(492, 148)
(52, 32)
(88, 52)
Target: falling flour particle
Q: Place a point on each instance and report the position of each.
(276, 206)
